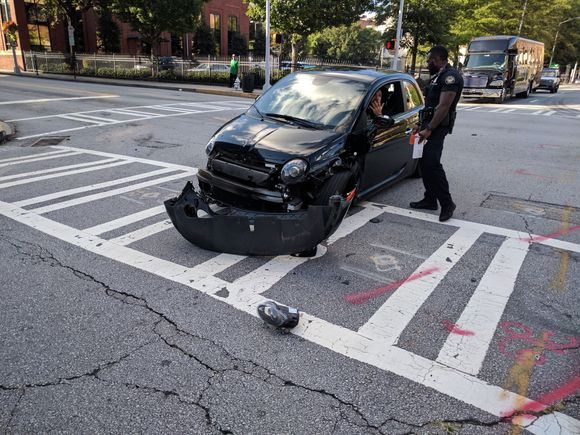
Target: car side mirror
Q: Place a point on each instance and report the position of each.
(382, 122)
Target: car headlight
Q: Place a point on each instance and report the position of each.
(209, 146)
(294, 171)
(496, 83)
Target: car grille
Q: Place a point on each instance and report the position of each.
(474, 81)
(241, 172)
(545, 82)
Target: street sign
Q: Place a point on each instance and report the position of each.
(71, 35)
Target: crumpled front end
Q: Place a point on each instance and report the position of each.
(245, 232)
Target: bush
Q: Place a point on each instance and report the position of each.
(167, 74)
(213, 78)
(59, 68)
(123, 73)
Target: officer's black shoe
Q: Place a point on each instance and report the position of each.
(447, 212)
(424, 205)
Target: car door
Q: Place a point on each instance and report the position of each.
(389, 150)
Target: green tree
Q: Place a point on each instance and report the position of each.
(153, 17)
(300, 18)
(108, 32)
(203, 41)
(258, 45)
(70, 12)
(427, 21)
(238, 44)
(346, 44)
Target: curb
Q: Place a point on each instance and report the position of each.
(170, 87)
(6, 131)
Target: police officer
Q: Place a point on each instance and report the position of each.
(436, 121)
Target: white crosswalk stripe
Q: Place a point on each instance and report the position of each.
(460, 359)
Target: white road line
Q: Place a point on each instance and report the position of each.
(176, 109)
(33, 156)
(129, 158)
(506, 232)
(62, 174)
(354, 222)
(484, 310)
(534, 100)
(79, 119)
(91, 187)
(389, 321)
(108, 194)
(97, 118)
(48, 100)
(550, 113)
(134, 113)
(124, 221)
(509, 110)
(171, 115)
(471, 109)
(39, 159)
(539, 112)
(57, 169)
(143, 233)
(468, 389)
(555, 423)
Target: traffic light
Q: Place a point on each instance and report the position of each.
(390, 44)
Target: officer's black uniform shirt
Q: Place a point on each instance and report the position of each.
(447, 79)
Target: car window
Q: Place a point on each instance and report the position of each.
(393, 99)
(327, 99)
(412, 96)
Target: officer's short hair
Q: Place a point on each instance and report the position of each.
(440, 52)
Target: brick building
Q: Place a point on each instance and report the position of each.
(225, 17)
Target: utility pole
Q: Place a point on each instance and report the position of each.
(267, 82)
(556, 37)
(398, 37)
(522, 20)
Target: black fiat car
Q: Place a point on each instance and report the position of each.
(281, 177)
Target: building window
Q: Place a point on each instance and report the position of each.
(37, 22)
(5, 11)
(215, 26)
(232, 30)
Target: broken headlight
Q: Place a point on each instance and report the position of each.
(294, 171)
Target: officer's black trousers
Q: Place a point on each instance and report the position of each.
(434, 179)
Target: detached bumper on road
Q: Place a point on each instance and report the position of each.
(481, 93)
(245, 232)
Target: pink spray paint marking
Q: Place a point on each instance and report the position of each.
(514, 331)
(359, 298)
(550, 236)
(547, 399)
(522, 171)
(454, 329)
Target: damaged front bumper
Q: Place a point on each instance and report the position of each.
(246, 232)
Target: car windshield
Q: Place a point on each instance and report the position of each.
(492, 60)
(549, 73)
(326, 100)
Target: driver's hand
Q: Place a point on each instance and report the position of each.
(416, 128)
(377, 107)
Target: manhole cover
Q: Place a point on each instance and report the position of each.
(47, 141)
(544, 210)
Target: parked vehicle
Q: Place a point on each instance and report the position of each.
(281, 177)
(166, 63)
(210, 67)
(550, 80)
(286, 65)
(498, 67)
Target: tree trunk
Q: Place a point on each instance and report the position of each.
(294, 55)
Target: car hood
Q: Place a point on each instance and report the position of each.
(270, 140)
(490, 72)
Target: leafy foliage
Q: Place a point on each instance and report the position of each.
(346, 43)
(203, 41)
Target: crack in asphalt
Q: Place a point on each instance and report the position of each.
(13, 411)
(527, 225)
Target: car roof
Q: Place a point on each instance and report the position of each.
(363, 75)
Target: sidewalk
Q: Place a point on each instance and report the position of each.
(183, 87)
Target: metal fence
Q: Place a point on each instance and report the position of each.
(208, 70)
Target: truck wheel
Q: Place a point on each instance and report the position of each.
(501, 100)
(525, 94)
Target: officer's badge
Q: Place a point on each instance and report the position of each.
(449, 80)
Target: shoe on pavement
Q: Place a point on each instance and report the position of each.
(424, 205)
(447, 212)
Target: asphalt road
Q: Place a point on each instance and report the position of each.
(111, 322)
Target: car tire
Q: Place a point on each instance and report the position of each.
(337, 184)
(552, 90)
(525, 94)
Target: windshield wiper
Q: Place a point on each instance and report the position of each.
(259, 113)
(300, 121)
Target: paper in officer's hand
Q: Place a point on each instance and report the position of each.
(418, 145)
